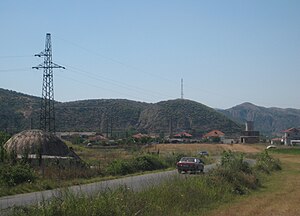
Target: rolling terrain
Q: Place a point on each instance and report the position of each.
(117, 117)
(120, 116)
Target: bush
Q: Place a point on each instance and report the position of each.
(235, 162)
(234, 171)
(119, 167)
(266, 163)
(148, 162)
(12, 175)
(171, 159)
(140, 163)
(3, 138)
(239, 182)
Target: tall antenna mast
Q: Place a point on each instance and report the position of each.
(47, 115)
(181, 88)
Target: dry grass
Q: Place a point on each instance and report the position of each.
(280, 196)
(100, 156)
(213, 149)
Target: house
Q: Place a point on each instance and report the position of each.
(143, 136)
(140, 136)
(214, 136)
(97, 138)
(291, 136)
(183, 135)
(276, 141)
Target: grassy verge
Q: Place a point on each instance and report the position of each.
(279, 194)
(106, 167)
(182, 195)
(58, 177)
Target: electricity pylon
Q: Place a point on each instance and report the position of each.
(47, 113)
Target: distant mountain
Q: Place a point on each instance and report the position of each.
(270, 121)
(117, 116)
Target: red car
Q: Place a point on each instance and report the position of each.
(190, 164)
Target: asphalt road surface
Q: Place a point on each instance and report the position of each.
(135, 183)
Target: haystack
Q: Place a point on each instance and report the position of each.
(34, 142)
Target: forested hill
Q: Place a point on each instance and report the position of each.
(118, 116)
(185, 115)
(17, 110)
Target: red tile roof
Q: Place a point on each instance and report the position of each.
(139, 136)
(214, 133)
(97, 138)
(183, 134)
(291, 130)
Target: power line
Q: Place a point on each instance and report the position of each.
(138, 69)
(14, 70)
(114, 82)
(99, 87)
(113, 60)
(16, 56)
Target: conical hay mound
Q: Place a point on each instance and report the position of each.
(37, 142)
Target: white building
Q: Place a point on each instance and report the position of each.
(291, 136)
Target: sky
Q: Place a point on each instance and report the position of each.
(226, 52)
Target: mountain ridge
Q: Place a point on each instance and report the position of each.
(114, 116)
(19, 111)
(270, 121)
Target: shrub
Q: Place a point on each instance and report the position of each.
(140, 163)
(147, 163)
(266, 163)
(235, 162)
(12, 175)
(3, 138)
(239, 182)
(119, 167)
(234, 171)
(171, 159)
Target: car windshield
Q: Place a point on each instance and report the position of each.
(188, 159)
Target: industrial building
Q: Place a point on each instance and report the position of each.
(249, 135)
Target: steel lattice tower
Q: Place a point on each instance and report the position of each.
(181, 88)
(47, 115)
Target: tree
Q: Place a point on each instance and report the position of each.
(3, 138)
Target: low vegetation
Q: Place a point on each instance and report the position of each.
(182, 195)
(137, 164)
(279, 194)
(17, 176)
(291, 151)
(266, 163)
(12, 175)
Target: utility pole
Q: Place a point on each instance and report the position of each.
(47, 113)
(171, 127)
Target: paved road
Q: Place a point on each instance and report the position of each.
(135, 183)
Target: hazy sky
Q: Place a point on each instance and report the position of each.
(227, 52)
